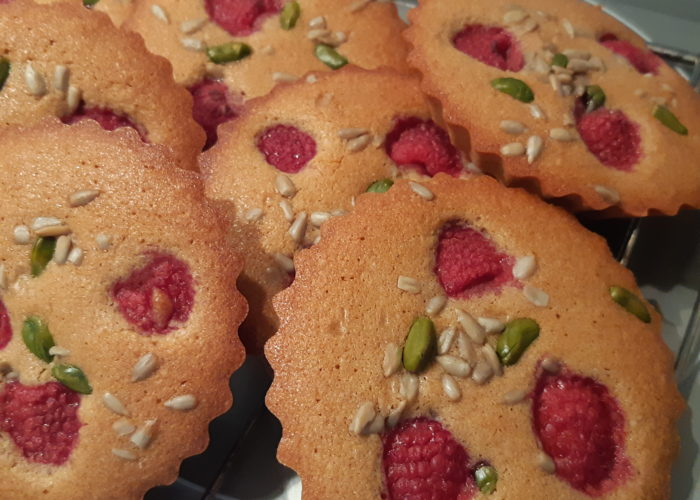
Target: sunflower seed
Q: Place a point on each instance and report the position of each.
(568, 119)
(408, 386)
(577, 54)
(318, 22)
(513, 149)
(568, 28)
(75, 256)
(491, 325)
(34, 80)
(608, 194)
(359, 5)
(537, 112)
(561, 135)
(103, 241)
(529, 25)
(534, 148)
(421, 190)
(61, 76)
(524, 267)
(123, 427)
(3, 279)
(143, 435)
(114, 404)
(596, 64)
(492, 359)
(42, 222)
(318, 218)
(514, 397)
(279, 77)
(267, 50)
(59, 351)
(73, 97)
(287, 210)
(144, 367)
(435, 305)
(48, 231)
(351, 133)
(536, 296)
(392, 359)
(556, 84)
(359, 143)
(466, 348)
(182, 403)
(545, 463)
(315, 34)
(408, 284)
(577, 65)
(21, 235)
(160, 13)
(471, 327)
(254, 214)
(482, 372)
(193, 44)
(376, 426)
(395, 414)
(285, 186)
(83, 197)
(298, 228)
(514, 16)
(285, 263)
(454, 365)
(512, 127)
(450, 388)
(446, 339)
(60, 253)
(551, 365)
(363, 416)
(192, 25)
(124, 454)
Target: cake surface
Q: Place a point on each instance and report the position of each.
(118, 314)
(468, 341)
(561, 99)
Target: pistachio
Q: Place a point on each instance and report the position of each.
(228, 52)
(380, 186)
(329, 56)
(560, 60)
(290, 15)
(4, 71)
(595, 97)
(630, 302)
(517, 336)
(42, 253)
(420, 345)
(665, 116)
(515, 88)
(90, 3)
(72, 377)
(38, 338)
(486, 478)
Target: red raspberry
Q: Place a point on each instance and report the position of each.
(157, 295)
(213, 105)
(644, 61)
(491, 45)
(581, 426)
(107, 119)
(467, 262)
(612, 137)
(5, 326)
(423, 145)
(422, 461)
(286, 148)
(241, 17)
(42, 420)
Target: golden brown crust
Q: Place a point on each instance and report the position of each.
(373, 40)
(143, 205)
(344, 307)
(109, 66)
(662, 182)
(236, 172)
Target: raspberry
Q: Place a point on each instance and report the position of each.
(42, 420)
(286, 148)
(467, 262)
(611, 136)
(581, 427)
(155, 296)
(107, 119)
(241, 17)
(422, 461)
(643, 60)
(422, 144)
(491, 45)
(212, 106)
(5, 326)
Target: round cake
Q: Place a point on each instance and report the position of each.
(281, 174)
(561, 99)
(118, 313)
(63, 60)
(453, 338)
(226, 52)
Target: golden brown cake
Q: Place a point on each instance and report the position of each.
(63, 60)
(562, 99)
(452, 336)
(118, 314)
(282, 173)
(273, 41)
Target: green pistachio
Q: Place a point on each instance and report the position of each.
(90, 3)
(630, 302)
(290, 14)
(37, 338)
(515, 339)
(420, 346)
(42, 253)
(329, 56)
(665, 116)
(380, 186)
(486, 478)
(560, 60)
(515, 88)
(72, 377)
(4, 71)
(228, 52)
(595, 97)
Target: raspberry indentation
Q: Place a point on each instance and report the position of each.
(581, 426)
(108, 119)
(423, 146)
(5, 326)
(42, 420)
(241, 17)
(286, 148)
(644, 61)
(213, 105)
(468, 263)
(156, 296)
(611, 136)
(491, 45)
(421, 460)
